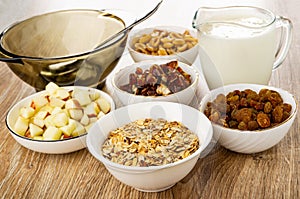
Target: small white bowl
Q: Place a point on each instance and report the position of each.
(50, 146)
(121, 77)
(250, 141)
(187, 56)
(151, 178)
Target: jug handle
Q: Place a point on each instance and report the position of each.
(285, 40)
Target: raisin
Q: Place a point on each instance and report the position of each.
(268, 107)
(233, 124)
(263, 120)
(244, 115)
(214, 117)
(277, 114)
(242, 126)
(252, 125)
(287, 107)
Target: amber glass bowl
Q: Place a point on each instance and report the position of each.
(63, 47)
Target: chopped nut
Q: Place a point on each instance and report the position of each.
(161, 42)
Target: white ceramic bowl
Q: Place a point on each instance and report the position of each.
(250, 141)
(187, 56)
(49, 146)
(152, 178)
(121, 77)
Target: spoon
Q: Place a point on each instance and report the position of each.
(149, 14)
(94, 75)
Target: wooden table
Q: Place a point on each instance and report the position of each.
(274, 173)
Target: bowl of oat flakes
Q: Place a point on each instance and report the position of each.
(150, 146)
(156, 80)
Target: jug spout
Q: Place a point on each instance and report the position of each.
(203, 14)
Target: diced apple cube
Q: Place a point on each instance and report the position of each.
(49, 121)
(62, 94)
(101, 114)
(60, 119)
(92, 109)
(51, 88)
(94, 95)
(82, 96)
(37, 121)
(27, 112)
(35, 130)
(56, 110)
(39, 102)
(104, 105)
(68, 129)
(21, 126)
(55, 102)
(93, 119)
(38, 138)
(46, 108)
(85, 120)
(72, 104)
(76, 114)
(52, 133)
(41, 114)
(79, 130)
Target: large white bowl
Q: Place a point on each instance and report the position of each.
(187, 56)
(121, 77)
(50, 146)
(152, 178)
(250, 141)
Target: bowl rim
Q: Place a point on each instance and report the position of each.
(149, 63)
(117, 166)
(138, 31)
(102, 93)
(7, 52)
(232, 87)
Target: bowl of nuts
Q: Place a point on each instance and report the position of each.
(163, 42)
(150, 145)
(56, 120)
(155, 80)
(249, 118)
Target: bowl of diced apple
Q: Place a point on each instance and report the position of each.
(56, 120)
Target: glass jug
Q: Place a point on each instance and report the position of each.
(240, 44)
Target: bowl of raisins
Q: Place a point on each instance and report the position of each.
(249, 118)
(156, 80)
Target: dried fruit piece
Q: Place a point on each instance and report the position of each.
(263, 120)
(158, 80)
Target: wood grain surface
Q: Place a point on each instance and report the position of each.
(271, 174)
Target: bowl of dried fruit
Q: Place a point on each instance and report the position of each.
(163, 42)
(155, 80)
(249, 118)
(56, 120)
(150, 145)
